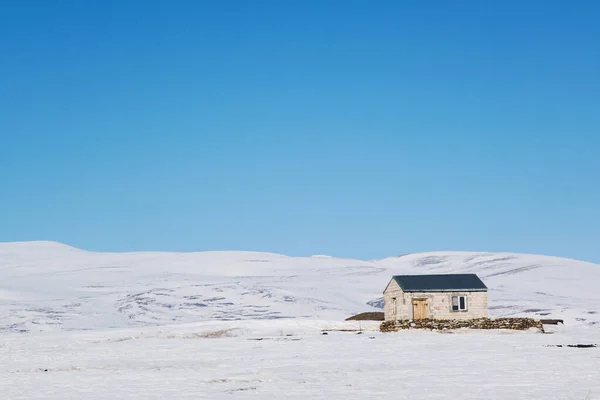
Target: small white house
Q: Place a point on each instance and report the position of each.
(446, 296)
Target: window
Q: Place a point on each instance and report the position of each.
(394, 305)
(459, 303)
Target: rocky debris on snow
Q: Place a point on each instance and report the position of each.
(579, 346)
(552, 321)
(477, 323)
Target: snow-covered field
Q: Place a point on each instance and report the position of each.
(294, 361)
(84, 325)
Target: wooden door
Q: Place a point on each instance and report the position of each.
(419, 309)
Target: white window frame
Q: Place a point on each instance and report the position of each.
(394, 305)
(457, 297)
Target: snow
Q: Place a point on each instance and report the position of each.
(77, 324)
(49, 286)
(293, 360)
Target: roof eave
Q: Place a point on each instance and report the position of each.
(443, 290)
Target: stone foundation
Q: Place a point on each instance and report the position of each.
(520, 324)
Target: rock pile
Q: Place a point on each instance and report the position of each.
(478, 323)
(388, 326)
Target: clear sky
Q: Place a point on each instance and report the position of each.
(350, 128)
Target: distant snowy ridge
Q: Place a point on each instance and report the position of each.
(51, 286)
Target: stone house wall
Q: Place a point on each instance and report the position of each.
(439, 304)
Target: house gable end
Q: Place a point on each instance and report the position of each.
(392, 284)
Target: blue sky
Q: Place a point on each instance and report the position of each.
(350, 128)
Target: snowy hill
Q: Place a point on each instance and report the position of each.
(51, 286)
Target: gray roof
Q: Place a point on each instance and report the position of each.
(440, 283)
